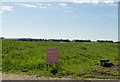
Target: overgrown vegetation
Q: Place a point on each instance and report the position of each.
(75, 59)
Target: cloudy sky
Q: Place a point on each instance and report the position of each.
(77, 19)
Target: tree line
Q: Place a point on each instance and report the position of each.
(56, 40)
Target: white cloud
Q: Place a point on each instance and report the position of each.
(42, 7)
(109, 1)
(42, 4)
(62, 4)
(85, 1)
(33, 6)
(28, 5)
(5, 8)
(94, 1)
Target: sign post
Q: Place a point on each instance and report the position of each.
(52, 56)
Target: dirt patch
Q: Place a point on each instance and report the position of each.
(28, 77)
(34, 77)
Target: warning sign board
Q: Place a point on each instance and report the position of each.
(52, 56)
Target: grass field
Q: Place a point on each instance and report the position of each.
(76, 60)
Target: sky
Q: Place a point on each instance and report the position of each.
(60, 20)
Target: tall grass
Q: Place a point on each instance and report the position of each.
(75, 59)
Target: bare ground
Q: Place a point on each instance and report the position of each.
(28, 77)
(34, 77)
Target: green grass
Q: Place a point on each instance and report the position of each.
(100, 77)
(75, 59)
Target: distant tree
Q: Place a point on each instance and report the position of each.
(105, 41)
(81, 40)
(2, 38)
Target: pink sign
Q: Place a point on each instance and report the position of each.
(52, 56)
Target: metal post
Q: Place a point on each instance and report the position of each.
(47, 67)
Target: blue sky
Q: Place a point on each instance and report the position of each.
(66, 20)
